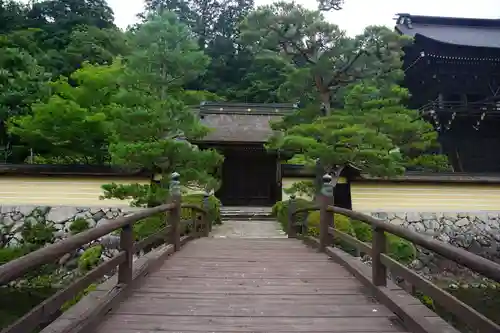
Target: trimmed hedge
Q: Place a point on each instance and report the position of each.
(153, 224)
(280, 211)
(214, 205)
(398, 248)
(342, 223)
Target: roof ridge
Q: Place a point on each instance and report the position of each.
(448, 20)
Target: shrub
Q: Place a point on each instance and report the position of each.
(482, 297)
(35, 275)
(280, 211)
(78, 297)
(39, 233)
(17, 301)
(342, 223)
(362, 230)
(10, 253)
(78, 226)
(149, 226)
(90, 258)
(197, 199)
(214, 205)
(400, 249)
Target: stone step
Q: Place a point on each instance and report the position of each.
(246, 213)
(247, 218)
(246, 209)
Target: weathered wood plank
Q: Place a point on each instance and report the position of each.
(252, 273)
(219, 285)
(257, 306)
(155, 281)
(304, 299)
(146, 323)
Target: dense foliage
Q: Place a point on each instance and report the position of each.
(65, 63)
(398, 248)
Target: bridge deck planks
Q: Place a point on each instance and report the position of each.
(249, 285)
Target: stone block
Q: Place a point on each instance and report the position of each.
(413, 217)
(61, 214)
(463, 222)
(398, 221)
(27, 210)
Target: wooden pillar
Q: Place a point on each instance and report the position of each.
(207, 220)
(379, 271)
(291, 227)
(326, 199)
(175, 213)
(127, 245)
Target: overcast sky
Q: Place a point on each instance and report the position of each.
(357, 13)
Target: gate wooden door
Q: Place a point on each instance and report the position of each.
(248, 179)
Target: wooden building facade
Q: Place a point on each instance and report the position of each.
(452, 70)
(251, 175)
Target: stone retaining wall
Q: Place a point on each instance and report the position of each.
(477, 232)
(60, 217)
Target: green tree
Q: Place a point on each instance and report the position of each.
(40, 41)
(60, 22)
(70, 126)
(261, 80)
(94, 45)
(373, 131)
(154, 129)
(215, 24)
(353, 108)
(211, 21)
(324, 58)
(21, 83)
(12, 16)
(165, 55)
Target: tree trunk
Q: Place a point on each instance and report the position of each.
(324, 94)
(325, 99)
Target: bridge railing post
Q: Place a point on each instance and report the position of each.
(379, 271)
(195, 225)
(291, 228)
(207, 221)
(326, 218)
(174, 216)
(127, 245)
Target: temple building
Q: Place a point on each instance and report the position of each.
(251, 175)
(452, 70)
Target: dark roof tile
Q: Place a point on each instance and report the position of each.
(457, 31)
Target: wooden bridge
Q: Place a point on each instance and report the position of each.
(194, 283)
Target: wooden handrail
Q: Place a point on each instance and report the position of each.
(16, 268)
(382, 262)
(465, 258)
(124, 259)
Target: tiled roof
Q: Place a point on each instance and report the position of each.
(458, 31)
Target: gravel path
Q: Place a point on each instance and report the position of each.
(248, 229)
